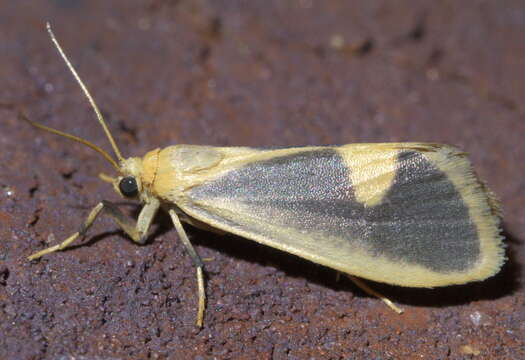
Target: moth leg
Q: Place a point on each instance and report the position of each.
(196, 261)
(367, 289)
(136, 231)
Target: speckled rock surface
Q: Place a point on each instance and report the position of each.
(255, 73)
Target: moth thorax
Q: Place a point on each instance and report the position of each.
(149, 167)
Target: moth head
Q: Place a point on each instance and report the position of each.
(129, 183)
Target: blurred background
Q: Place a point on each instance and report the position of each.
(251, 73)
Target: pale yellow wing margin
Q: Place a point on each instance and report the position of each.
(403, 213)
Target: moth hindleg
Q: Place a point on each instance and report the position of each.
(367, 289)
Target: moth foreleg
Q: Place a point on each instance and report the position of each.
(137, 232)
(196, 261)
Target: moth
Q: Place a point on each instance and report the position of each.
(408, 214)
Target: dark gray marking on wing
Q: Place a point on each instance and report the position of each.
(422, 219)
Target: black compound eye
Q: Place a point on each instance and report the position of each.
(128, 186)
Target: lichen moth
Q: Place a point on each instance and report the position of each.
(408, 214)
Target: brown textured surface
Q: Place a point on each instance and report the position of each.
(257, 73)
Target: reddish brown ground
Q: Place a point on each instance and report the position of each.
(257, 73)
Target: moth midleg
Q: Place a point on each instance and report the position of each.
(367, 289)
(196, 261)
(137, 231)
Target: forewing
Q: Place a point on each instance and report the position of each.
(407, 214)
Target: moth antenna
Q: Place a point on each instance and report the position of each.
(86, 93)
(108, 157)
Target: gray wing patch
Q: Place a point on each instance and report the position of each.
(422, 219)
